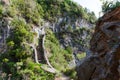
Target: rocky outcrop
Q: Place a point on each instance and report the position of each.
(104, 63)
(4, 33)
(72, 31)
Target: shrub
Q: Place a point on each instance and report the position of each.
(55, 8)
(1, 10)
(59, 57)
(109, 5)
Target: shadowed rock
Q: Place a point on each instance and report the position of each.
(105, 44)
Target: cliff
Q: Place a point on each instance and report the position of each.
(104, 62)
(39, 39)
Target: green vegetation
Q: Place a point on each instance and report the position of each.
(59, 57)
(76, 35)
(81, 55)
(1, 10)
(17, 60)
(109, 5)
(28, 9)
(33, 10)
(61, 8)
(20, 34)
(27, 70)
(71, 73)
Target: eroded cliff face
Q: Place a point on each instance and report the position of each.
(104, 63)
(28, 36)
(72, 32)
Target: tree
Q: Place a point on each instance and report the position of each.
(109, 5)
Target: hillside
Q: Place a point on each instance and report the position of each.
(40, 39)
(104, 62)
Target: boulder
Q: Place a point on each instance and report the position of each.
(105, 45)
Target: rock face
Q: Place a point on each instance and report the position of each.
(73, 32)
(105, 46)
(5, 2)
(4, 33)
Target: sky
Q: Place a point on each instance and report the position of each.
(92, 5)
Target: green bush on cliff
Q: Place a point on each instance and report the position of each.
(20, 33)
(59, 57)
(55, 8)
(109, 5)
(1, 10)
(17, 60)
(28, 9)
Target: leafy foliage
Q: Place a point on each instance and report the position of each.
(109, 5)
(53, 46)
(1, 10)
(28, 9)
(56, 8)
(17, 61)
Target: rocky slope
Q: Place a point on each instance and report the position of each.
(40, 38)
(73, 32)
(104, 63)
